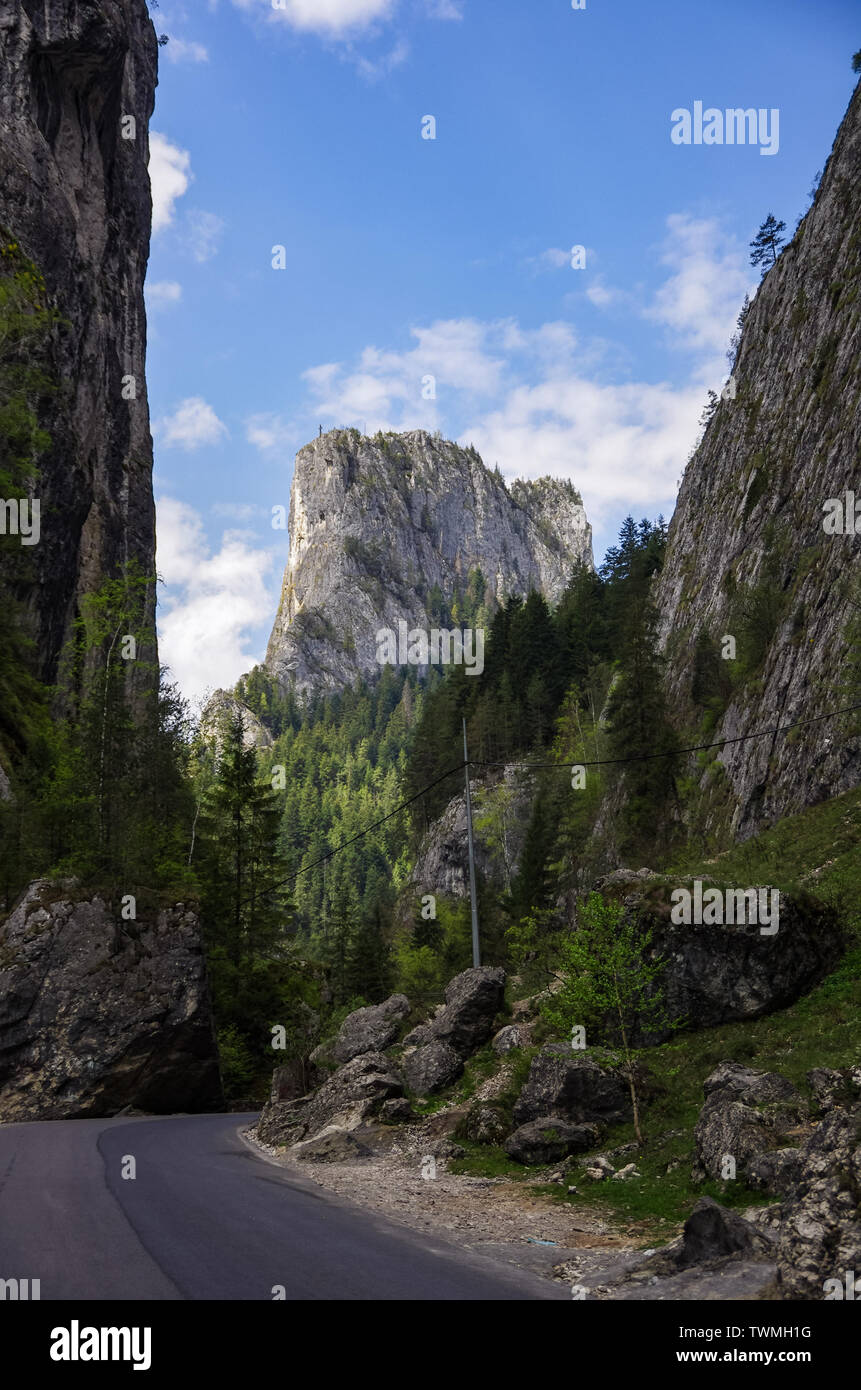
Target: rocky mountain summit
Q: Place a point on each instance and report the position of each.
(378, 525)
(747, 544)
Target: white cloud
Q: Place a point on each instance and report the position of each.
(162, 293)
(553, 259)
(331, 18)
(269, 431)
(544, 400)
(185, 51)
(202, 234)
(193, 424)
(212, 602)
(170, 174)
(699, 302)
(375, 69)
(444, 9)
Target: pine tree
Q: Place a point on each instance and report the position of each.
(767, 243)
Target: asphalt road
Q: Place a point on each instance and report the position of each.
(206, 1217)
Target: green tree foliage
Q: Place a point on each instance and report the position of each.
(612, 984)
(767, 243)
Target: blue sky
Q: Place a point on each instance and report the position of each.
(301, 127)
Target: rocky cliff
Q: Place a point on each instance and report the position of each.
(97, 1014)
(747, 549)
(75, 196)
(376, 523)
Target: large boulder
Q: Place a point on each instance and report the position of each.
(734, 973)
(745, 1115)
(370, 1030)
(820, 1233)
(97, 1014)
(548, 1140)
(472, 1001)
(572, 1087)
(712, 1232)
(431, 1067)
(352, 1094)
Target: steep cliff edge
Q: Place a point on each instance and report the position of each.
(748, 555)
(75, 195)
(97, 1010)
(376, 524)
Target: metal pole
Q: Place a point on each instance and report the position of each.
(476, 955)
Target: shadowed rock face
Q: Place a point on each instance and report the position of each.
(76, 197)
(754, 493)
(375, 523)
(97, 1014)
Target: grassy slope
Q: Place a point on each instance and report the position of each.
(819, 850)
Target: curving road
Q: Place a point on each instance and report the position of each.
(206, 1217)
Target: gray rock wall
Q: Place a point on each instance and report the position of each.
(76, 197)
(754, 494)
(375, 523)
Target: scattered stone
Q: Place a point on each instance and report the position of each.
(331, 1145)
(397, 1111)
(507, 1039)
(629, 1171)
(445, 1148)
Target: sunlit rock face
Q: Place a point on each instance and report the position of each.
(376, 523)
(755, 495)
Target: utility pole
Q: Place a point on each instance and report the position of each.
(476, 954)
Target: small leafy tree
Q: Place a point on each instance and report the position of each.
(767, 242)
(612, 983)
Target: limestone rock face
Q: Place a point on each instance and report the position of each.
(75, 196)
(820, 1234)
(376, 523)
(745, 1115)
(754, 495)
(97, 1014)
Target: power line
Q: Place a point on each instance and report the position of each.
(674, 752)
(306, 868)
(595, 762)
